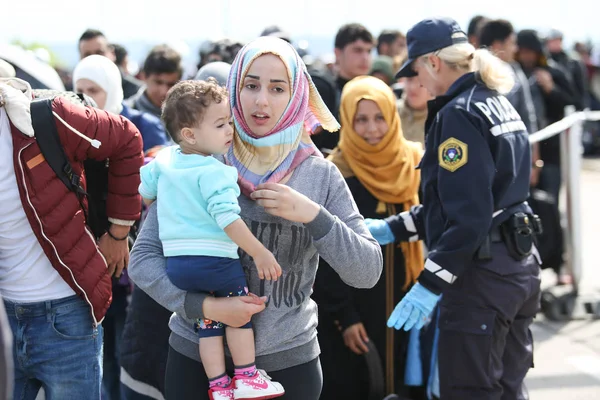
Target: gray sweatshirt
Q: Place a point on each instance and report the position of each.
(286, 331)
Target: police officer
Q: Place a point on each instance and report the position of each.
(474, 219)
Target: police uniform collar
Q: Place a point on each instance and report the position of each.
(459, 85)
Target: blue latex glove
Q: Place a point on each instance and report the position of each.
(414, 309)
(380, 230)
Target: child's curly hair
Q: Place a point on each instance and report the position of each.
(186, 104)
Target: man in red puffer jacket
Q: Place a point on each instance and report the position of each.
(54, 277)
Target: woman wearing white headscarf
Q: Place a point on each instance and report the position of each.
(99, 78)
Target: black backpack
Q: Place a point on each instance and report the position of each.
(48, 140)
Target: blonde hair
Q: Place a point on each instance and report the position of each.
(494, 72)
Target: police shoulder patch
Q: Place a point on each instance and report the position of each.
(452, 154)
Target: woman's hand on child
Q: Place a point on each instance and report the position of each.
(267, 265)
(283, 201)
(233, 311)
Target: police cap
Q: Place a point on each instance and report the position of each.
(428, 36)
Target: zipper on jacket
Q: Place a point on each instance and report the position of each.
(96, 323)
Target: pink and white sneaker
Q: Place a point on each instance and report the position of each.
(260, 386)
(221, 393)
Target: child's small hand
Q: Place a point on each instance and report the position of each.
(267, 265)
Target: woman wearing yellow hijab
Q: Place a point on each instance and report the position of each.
(379, 166)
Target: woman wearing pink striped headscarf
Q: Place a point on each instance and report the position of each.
(296, 203)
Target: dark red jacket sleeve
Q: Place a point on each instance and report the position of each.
(121, 144)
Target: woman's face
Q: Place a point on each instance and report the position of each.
(369, 122)
(416, 95)
(265, 93)
(91, 89)
(425, 76)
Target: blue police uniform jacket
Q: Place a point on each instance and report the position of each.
(474, 175)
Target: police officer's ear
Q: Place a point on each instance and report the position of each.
(434, 61)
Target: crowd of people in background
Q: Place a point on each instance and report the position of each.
(351, 325)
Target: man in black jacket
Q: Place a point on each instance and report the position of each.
(574, 69)
(551, 92)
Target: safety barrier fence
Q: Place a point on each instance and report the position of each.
(571, 128)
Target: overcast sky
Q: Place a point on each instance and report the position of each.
(140, 24)
(157, 20)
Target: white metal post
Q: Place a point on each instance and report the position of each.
(564, 169)
(572, 144)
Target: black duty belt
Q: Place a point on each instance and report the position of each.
(517, 232)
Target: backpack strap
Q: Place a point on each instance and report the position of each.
(48, 140)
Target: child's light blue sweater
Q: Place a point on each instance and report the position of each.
(196, 199)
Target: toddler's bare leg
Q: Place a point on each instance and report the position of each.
(212, 354)
(241, 344)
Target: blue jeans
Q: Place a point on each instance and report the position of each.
(56, 347)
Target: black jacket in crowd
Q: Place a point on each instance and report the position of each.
(345, 374)
(553, 108)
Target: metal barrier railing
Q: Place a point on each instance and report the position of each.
(571, 152)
